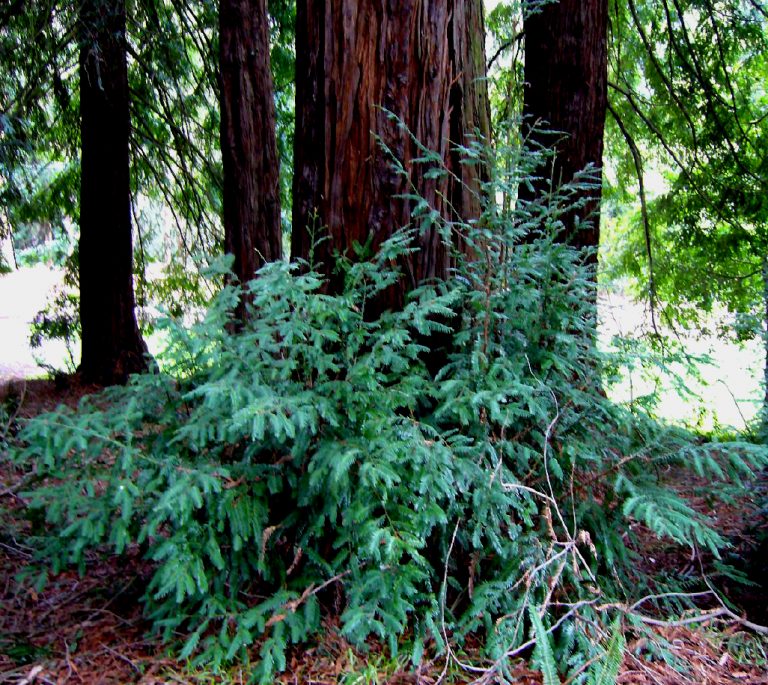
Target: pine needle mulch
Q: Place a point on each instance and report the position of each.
(704, 659)
(90, 630)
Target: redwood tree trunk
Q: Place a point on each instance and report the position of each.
(422, 60)
(764, 414)
(252, 231)
(566, 76)
(112, 347)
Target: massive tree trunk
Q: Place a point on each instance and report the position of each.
(112, 347)
(566, 76)
(252, 230)
(763, 434)
(421, 60)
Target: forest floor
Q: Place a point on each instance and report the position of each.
(89, 629)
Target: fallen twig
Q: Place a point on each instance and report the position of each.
(122, 657)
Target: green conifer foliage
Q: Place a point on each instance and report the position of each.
(312, 460)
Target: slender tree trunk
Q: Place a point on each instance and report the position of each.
(566, 76)
(252, 227)
(421, 60)
(764, 412)
(112, 347)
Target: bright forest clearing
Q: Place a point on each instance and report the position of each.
(379, 437)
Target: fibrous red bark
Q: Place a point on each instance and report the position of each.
(358, 63)
(566, 62)
(252, 226)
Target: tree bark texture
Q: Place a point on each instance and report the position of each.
(112, 347)
(565, 90)
(421, 60)
(252, 226)
(764, 413)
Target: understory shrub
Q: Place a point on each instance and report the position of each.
(310, 461)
